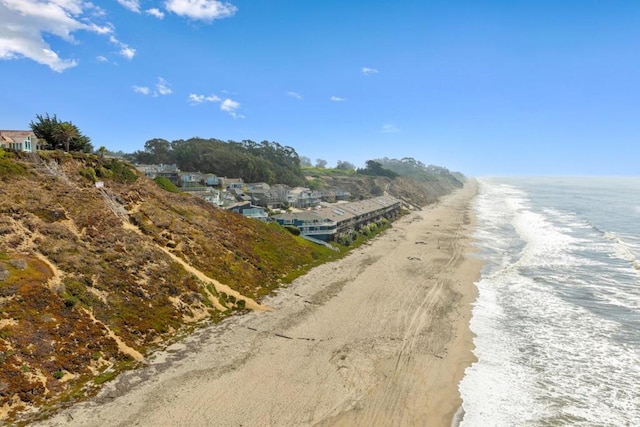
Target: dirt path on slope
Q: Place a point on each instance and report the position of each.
(380, 337)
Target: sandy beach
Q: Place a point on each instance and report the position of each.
(380, 337)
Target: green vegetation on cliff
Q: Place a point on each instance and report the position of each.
(252, 161)
(94, 277)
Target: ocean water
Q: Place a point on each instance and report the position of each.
(557, 320)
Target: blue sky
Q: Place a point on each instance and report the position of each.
(482, 87)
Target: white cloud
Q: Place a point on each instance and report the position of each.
(389, 128)
(295, 95)
(206, 10)
(132, 5)
(96, 10)
(23, 24)
(101, 58)
(199, 99)
(141, 89)
(155, 12)
(367, 71)
(161, 88)
(125, 50)
(230, 106)
(337, 99)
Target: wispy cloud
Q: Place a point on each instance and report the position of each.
(230, 107)
(227, 105)
(142, 89)
(23, 24)
(389, 128)
(125, 50)
(161, 88)
(199, 99)
(155, 12)
(295, 95)
(132, 5)
(367, 71)
(337, 99)
(205, 10)
(101, 58)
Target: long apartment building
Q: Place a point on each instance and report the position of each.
(327, 223)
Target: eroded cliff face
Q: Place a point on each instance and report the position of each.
(93, 278)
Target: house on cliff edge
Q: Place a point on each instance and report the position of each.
(19, 140)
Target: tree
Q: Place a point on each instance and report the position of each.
(102, 150)
(80, 142)
(160, 151)
(58, 134)
(320, 163)
(44, 127)
(305, 161)
(375, 169)
(346, 166)
(64, 133)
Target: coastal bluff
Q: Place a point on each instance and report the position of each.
(379, 337)
(94, 279)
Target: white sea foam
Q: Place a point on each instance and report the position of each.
(622, 249)
(548, 336)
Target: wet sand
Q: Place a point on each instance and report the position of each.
(380, 337)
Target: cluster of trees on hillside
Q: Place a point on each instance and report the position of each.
(265, 161)
(322, 164)
(57, 134)
(252, 161)
(375, 168)
(417, 170)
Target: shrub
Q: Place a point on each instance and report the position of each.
(89, 173)
(165, 184)
(292, 229)
(121, 171)
(102, 172)
(345, 240)
(70, 301)
(222, 298)
(9, 167)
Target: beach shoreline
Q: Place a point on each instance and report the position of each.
(379, 337)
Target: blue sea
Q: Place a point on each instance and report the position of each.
(557, 319)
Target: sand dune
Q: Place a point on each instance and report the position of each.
(380, 337)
